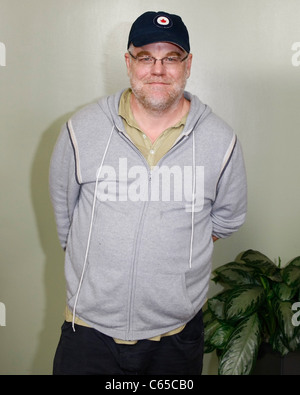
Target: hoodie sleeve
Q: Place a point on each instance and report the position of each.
(63, 184)
(230, 206)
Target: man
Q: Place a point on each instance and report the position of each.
(142, 183)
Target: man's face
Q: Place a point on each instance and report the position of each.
(158, 87)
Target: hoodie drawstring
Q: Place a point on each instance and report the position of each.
(193, 199)
(91, 227)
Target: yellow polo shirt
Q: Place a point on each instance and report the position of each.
(153, 152)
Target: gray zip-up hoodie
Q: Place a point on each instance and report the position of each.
(138, 240)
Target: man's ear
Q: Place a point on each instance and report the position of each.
(127, 61)
(189, 65)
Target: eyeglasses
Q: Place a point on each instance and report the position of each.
(150, 60)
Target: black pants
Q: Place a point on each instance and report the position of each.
(89, 352)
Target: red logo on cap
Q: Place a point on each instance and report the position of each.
(163, 21)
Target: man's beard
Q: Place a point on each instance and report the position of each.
(155, 102)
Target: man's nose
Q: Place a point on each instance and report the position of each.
(158, 67)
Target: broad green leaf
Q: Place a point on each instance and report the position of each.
(241, 350)
(284, 292)
(250, 256)
(295, 261)
(233, 265)
(207, 316)
(221, 336)
(243, 301)
(216, 306)
(234, 276)
(209, 330)
(291, 275)
(277, 343)
(294, 343)
(284, 314)
(281, 344)
(262, 264)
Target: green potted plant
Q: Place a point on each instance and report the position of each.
(255, 307)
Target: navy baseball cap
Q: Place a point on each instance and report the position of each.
(152, 27)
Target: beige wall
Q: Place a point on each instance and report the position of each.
(58, 55)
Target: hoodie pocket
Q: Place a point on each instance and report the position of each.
(161, 301)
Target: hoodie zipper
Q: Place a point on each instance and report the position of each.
(133, 271)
